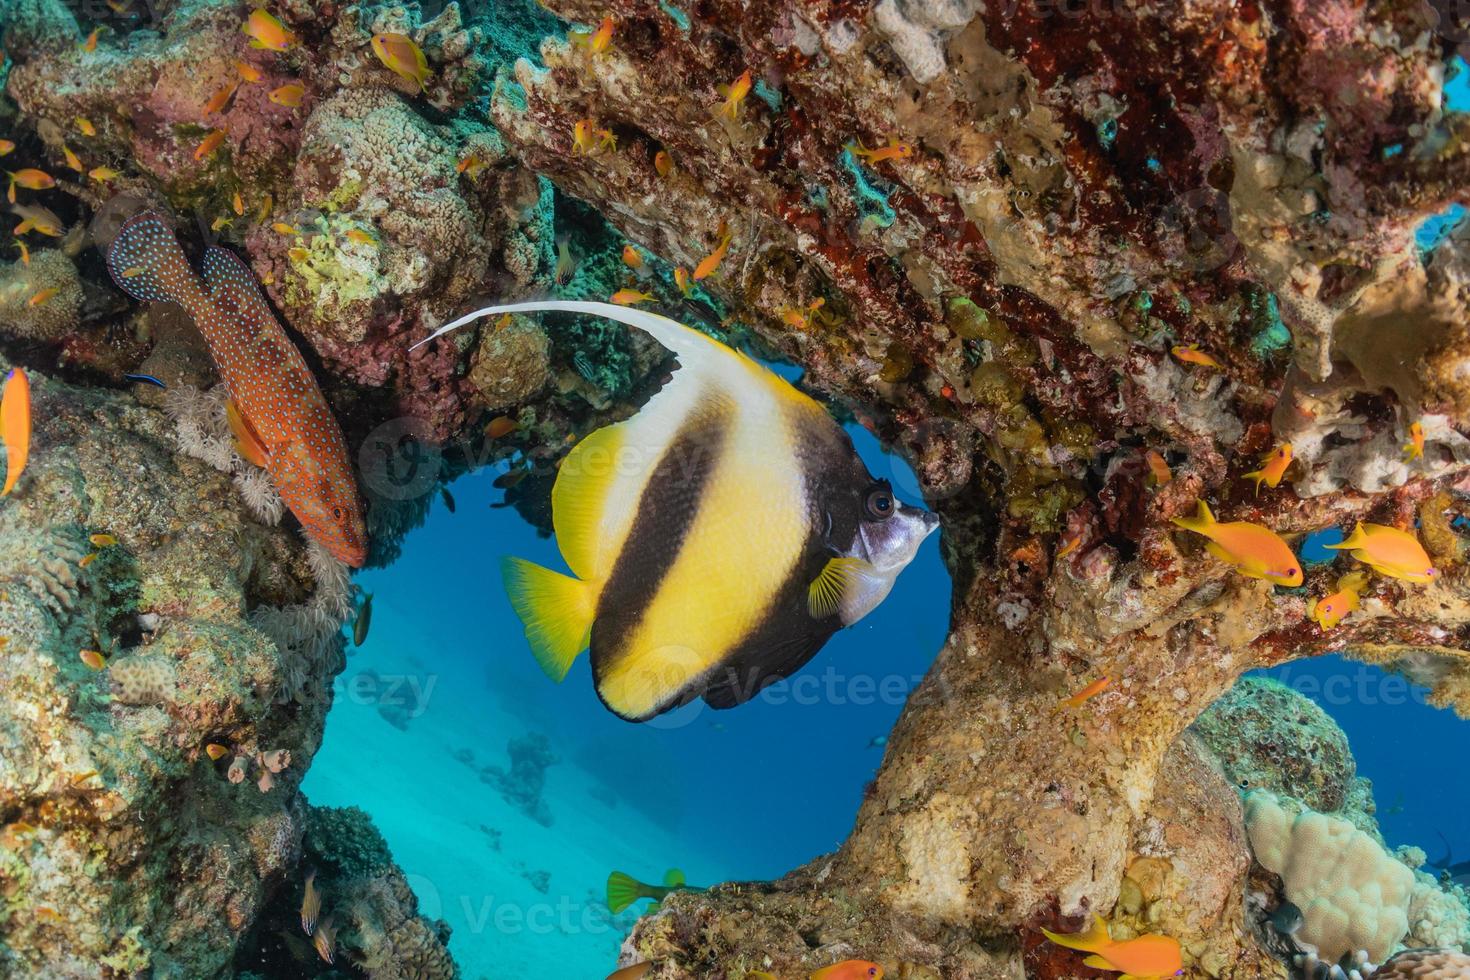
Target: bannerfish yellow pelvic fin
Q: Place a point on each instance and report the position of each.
(280, 407)
(1397, 554)
(742, 533)
(1255, 551)
(1147, 957)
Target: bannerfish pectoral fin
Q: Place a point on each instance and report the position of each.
(557, 611)
(833, 582)
(247, 440)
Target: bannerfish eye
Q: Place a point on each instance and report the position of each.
(880, 504)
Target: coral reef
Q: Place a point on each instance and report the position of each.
(530, 757)
(40, 299)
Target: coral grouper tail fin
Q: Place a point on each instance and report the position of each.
(557, 611)
(622, 891)
(1095, 939)
(146, 262)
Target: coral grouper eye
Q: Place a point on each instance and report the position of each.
(880, 504)
(337, 513)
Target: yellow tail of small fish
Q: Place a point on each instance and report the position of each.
(1357, 539)
(622, 891)
(1096, 937)
(1201, 520)
(557, 611)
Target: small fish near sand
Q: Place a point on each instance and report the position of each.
(1147, 957)
(623, 890)
(771, 534)
(273, 390)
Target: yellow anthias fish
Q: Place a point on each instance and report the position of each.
(1147, 957)
(1332, 609)
(1274, 467)
(1254, 551)
(72, 160)
(90, 44)
(848, 970)
(895, 150)
(584, 138)
(734, 94)
(237, 205)
(711, 262)
(84, 126)
(288, 95)
(400, 55)
(103, 540)
(6, 147)
(247, 71)
(209, 144)
(31, 179)
(25, 252)
(599, 41)
(267, 32)
(1158, 468)
(771, 534)
(630, 297)
(1191, 354)
(220, 99)
(15, 426)
(1087, 693)
(682, 280)
(42, 295)
(1414, 448)
(1397, 554)
(632, 258)
(663, 164)
(103, 174)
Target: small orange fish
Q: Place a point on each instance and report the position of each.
(630, 297)
(681, 279)
(82, 777)
(31, 179)
(1069, 545)
(102, 540)
(209, 144)
(1090, 691)
(264, 211)
(360, 237)
(37, 218)
(103, 174)
(87, 560)
(500, 426)
(1158, 468)
(237, 205)
(1397, 554)
(15, 425)
(133, 272)
(298, 254)
(400, 55)
(584, 139)
(1191, 354)
(1144, 958)
(1276, 463)
(216, 751)
(895, 150)
(632, 258)
(93, 659)
(1332, 609)
(325, 940)
(471, 165)
(72, 160)
(311, 904)
(42, 295)
(247, 71)
(1254, 551)
(220, 99)
(599, 41)
(45, 913)
(118, 7)
(607, 141)
(849, 970)
(288, 95)
(734, 94)
(25, 253)
(85, 127)
(711, 262)
(281, 228)
(663, 164)
(268, 33)
(6, 147)
(1414, 448)
(90, 44)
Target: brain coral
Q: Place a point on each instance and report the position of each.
(1353, 894)
(20, 283)
(141, 679)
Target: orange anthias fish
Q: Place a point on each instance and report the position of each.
(42, 295)
(31, 179)
(1147, 957)
(103, 174)
(6, 147)
(712, 261)
(584, 138)
(209, 144)
(663, 164)
(734, 94)
(15, 426)
(1273, 469)
(72, 160)
(600, 40)
(90, 44)
(84, 126)
(247, 71)
(402, 57)
(1397, 554)
(268, 381)
(895, 150)
(288, 95)
(630, 297)
(1088, 692)
(1331, 610)
(681, 279)
(1158, 468)
(1414, 448)
(268, 33)
(311, 904)
(849, 970)
(1191, 354)
(1255, 551)
(220, 99)
(25, 253)
(632, 258)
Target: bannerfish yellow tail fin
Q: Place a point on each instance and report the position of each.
(1094, 940)
(622, 891)
(557, 611)
(1357, 539)
(1201, 520)
(674, 878)
(824, 595)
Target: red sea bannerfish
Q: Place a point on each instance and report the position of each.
(282, 410)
